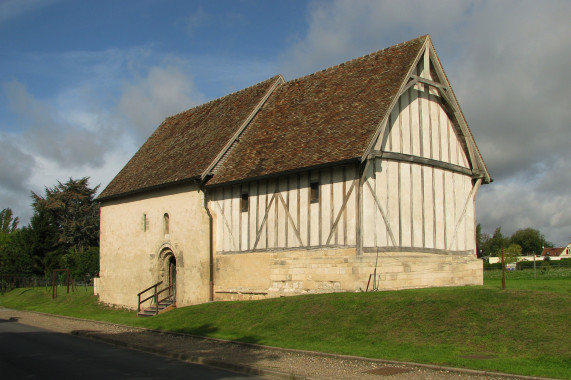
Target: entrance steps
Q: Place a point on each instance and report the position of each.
(163, 300)
(164, 306)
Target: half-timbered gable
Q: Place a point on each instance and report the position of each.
(422, 180)
(363, 175)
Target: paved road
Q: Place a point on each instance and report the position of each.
(28, 352)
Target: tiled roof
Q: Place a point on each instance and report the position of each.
(184, 145)
(326, 117)
(553, 252)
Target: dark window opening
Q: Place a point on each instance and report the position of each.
(166, 224)
(314, 192)
(244, 204)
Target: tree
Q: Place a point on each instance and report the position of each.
(481, 239)
(66, 220)
(82, 262)
(41, 239)
(511, 253)
(493, 245)
(530, 240)
(7, 221)
(14, 258)
(74, 211)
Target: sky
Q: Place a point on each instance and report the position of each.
(84, 83)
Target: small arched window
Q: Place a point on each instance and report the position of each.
(145, 223)
(166, 224)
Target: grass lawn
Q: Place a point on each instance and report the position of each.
(522, 330)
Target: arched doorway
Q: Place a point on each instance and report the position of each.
(172, 271)
(167, 271)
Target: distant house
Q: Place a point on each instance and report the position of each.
(305, 186)
(561, 252)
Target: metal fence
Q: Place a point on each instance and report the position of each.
(13, 281)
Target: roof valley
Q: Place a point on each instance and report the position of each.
(225, 152)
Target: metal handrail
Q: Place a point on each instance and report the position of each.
(155, 296)
(150, 287)
(170, 288)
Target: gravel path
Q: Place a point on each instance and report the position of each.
(265, 361)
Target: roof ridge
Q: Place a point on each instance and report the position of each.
(356, 59)
(274, 78)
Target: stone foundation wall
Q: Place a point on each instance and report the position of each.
(341, 270)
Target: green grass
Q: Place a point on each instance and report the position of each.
(80, 304)
(522, 330)
(553, 280)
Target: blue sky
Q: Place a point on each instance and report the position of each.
(84, 83)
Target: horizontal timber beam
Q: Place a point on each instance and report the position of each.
(416, 250)
(400, 157)
(286, 249)
(428, 82)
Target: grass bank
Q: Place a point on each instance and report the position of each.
(519, 330)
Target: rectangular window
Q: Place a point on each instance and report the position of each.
(244, 204)
(314, 192)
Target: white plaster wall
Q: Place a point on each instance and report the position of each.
(129, 249)
(430, 208)
(280, 213)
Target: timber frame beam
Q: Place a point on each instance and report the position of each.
(445, 93)
(400, 157)
(449, 104)
(359, 225)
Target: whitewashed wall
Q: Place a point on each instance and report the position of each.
(132, 237)
(410, 206)
(417, 204)
(280, 214)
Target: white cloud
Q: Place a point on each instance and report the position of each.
(50, 144)
(196, 20)
(15, 177)
(15, 167)
(513, 206)
(512, 81)
(343, 30)
(91, 124)
(14, 8)
(49, 135)
(163, 92)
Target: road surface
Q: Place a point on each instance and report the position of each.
(28, 352)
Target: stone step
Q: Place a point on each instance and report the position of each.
(152, 311)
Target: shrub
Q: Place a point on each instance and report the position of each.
(488, 266)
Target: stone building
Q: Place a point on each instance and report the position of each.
(311, 185)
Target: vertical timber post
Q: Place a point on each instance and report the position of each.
(503, 271)
(534, 272)
(360, 205)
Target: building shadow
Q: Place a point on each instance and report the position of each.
(241, 355)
